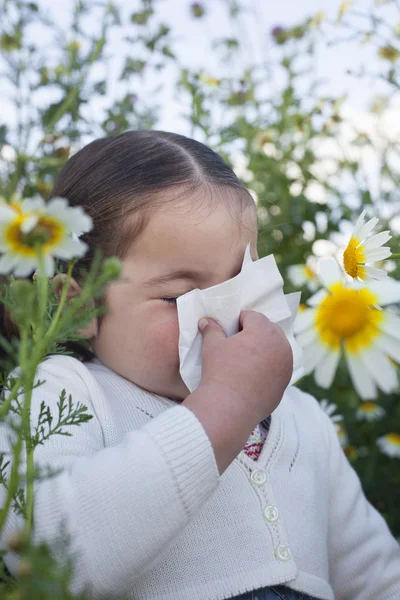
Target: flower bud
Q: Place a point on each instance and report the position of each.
(280, 35)
(25, 568)
(17, 541)
(112, 268)
(197, 9)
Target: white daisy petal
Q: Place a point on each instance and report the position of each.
(29, 223)
(7, 213)
(373, 273)
(297, 275)
(390, 324)
(366, 229)
(389, 345)
(329, 271)
(304, 320)
(386, 292)
(82, 222)
(359, 224)
(362, 381)
(317, 298)
(381, 369)
(313, 354)
(24, 267)
(33, 204)
(307, 336)
(75, 218)
(390, 444)
(326, 369)
(57, 206)
(7, 263)
(313, 285)
(377, 254)
(329, 409)
(70, 247)
(377, 240)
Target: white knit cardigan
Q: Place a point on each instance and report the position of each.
(150, 517)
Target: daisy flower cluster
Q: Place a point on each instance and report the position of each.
(33, 233)
(349, 318)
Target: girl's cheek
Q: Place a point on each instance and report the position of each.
(163, 336)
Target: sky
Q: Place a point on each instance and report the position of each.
(192, 39)
(192, 42)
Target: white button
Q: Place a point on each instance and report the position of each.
(258, 477)
(282, 552)
(271, 513)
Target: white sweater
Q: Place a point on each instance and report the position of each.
(150, 518)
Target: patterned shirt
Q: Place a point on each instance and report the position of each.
(256, 440)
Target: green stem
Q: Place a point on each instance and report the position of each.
(5, 407)
(394, 256)
(29, 377)
(42, 292)
(30, 465)
(61, 304)
(14, 477)
(14, 480)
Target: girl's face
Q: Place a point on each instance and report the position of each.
(138, 337)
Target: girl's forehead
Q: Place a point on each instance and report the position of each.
(206, 223)
(206, 216)
(179, 237)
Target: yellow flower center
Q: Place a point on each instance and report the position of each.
(309, 273)
(353, 258)
(351, 452)
(393, 438)
(47, 233)
(368, 407)
(347, 315)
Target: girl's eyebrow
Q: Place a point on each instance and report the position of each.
(177, 274)
(174, 275)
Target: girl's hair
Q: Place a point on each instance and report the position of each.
(123, 176)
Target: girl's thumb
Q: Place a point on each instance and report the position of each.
(203, 324)
(209, 327)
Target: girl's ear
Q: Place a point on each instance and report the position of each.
(74, 289)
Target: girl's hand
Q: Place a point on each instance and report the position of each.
(243, 381)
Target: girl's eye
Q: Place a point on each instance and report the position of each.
(169, 300)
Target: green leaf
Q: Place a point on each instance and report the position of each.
(166, 50)
(142, 17)
(11, 42)
(3, 135)
(132, 67)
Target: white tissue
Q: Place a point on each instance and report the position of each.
(259, 287)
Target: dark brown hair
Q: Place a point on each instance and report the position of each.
(124, 175)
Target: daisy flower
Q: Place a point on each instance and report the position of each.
(211, 81)
(370, 411)
(342, 435)
(363, 249)
(347, 318)
(305, 275)
(351, 452)
(329, 409)
(389, 444)
(31, 225)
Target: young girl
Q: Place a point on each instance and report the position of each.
(161, 495)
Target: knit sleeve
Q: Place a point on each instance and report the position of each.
(122, 506)
(364, 558)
